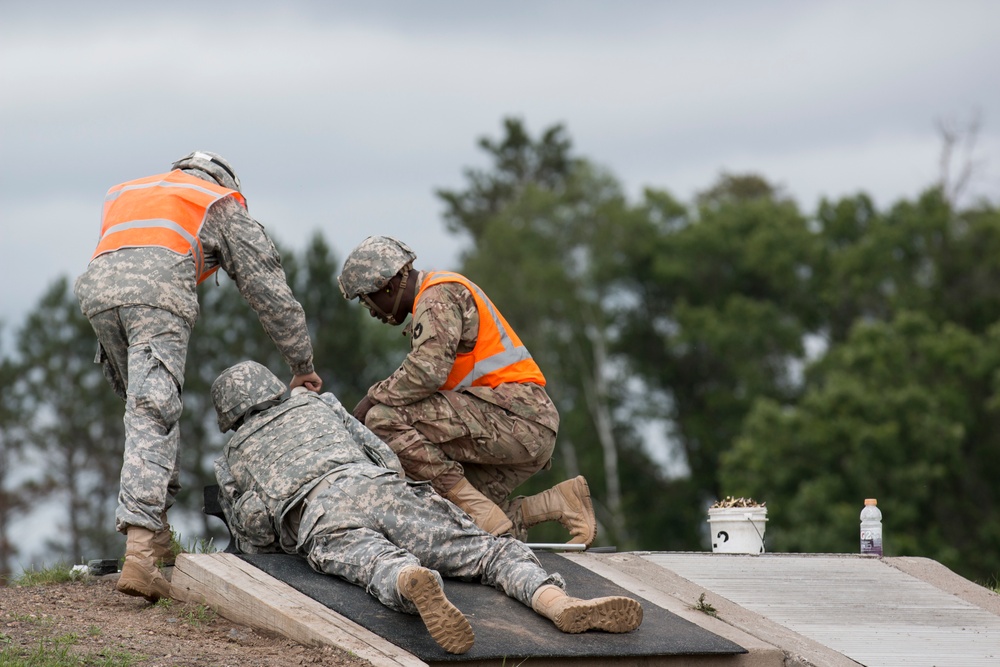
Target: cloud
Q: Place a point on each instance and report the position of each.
(345, 117)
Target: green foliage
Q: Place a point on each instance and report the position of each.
(14, 499)
(197, 615)
(705, 607)
(75, 430)
(895, 413)
(58, 652)
(808, 361)
(59, 573)
(721, 304)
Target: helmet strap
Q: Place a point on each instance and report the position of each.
(399, 293)
(373, 307)
(390, 317)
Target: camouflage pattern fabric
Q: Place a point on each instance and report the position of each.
(497, 437)
(369, 524)
(358, 521)
(279, 454)
(163, 279)
(451, 435)
(163, 285)
(143, 351)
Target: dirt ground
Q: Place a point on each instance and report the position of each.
(94, 623)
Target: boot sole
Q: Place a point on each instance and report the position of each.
(610, 614)
(444, 621)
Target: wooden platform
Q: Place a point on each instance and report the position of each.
(244, 594)
(787, 610)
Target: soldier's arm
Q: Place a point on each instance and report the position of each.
(438, 323)
(247, 254)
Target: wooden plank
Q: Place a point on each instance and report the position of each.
(242, 593)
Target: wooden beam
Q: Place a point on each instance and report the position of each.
(244, 594)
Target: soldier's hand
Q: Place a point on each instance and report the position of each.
(310, 381)
(362, 408)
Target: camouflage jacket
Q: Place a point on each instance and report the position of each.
(444, 324)
(233, 241)
(277, 456)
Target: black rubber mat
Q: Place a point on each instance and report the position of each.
(504, 627)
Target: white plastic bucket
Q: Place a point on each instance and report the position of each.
(737, 530)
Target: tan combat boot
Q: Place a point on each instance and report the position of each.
(483, 511)
(140, 576)
(572, 615)
(163, 550)
(568, 503)
(444, 621)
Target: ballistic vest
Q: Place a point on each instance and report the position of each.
(498, 356)
(164, 211)
(275, 452)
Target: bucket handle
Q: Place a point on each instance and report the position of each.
(748, 516)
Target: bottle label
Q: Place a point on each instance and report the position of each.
(871, 542)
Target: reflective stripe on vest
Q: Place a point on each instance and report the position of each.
(165, 211)
(498, 356)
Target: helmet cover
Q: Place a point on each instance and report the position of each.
(373, 264)
(212, 164)
(241, 387)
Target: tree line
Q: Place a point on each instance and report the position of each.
(807, 360)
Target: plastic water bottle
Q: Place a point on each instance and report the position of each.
(871, 528)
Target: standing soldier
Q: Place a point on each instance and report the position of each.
(160, 237)
(467, 409)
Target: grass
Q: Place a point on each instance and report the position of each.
(54, 574)
(195, 546)
(705, 607)
(55, 652)
(993, 583)
(194, 615)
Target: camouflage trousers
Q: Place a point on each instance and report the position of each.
(451, 435)
(369, 524)
(143, 351)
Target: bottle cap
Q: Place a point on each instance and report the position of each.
(871, 501)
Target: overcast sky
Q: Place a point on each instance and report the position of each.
(345, 117)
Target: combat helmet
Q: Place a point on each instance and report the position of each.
(373, 264)
(213, 165)
(242, 387)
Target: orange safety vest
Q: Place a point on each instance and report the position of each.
(165, 211)
(498, 357)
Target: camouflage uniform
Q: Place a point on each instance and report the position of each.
(305, 477)
(495, 437)
(143, 304)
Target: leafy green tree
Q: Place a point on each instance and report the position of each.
(538, 222)
(720, 303)
(905, 411)
(16, 495)
(903, 404)
(75, 431)
(519, 162)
